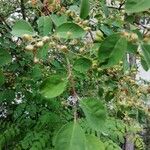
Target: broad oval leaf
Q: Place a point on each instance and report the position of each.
(53, 86)
(70, 137)
(146, 53)
(70, 31)
(58, 20)
(82, 65)
(5, 57)
(22, 27)
(85, 9)
(144, 64)
(44, 25)
(94, 143)
(112, 50)
(94, 111)
(134, 6)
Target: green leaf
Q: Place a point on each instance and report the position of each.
(94, 143)
(146, 53)
(82, 65)
(58, 20)
(36, 72)
(22, 27)
(70, 31)
(132, 48)
(112, 50)
(70, 137)
(85, 9)
(134, 6)
(126, 65)
(110, 145)
(53, 86)
(75, 9)
(100, 92)
(7, 95)
(5, 57)
(2, 78)
(94, 111)
(106, 30)
(44, 25)
(42, 52)
(144, 64)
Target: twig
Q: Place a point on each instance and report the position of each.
(121, 4)
(23, 9)
(116, 7)
(91, 35)
(120, 7)
(4, 21)
(75, 96)
(143, 26)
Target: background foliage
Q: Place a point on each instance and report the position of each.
(68, 74)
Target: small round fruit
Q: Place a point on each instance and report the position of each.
(94, 64)
(146, 40)
(85, 22)
(77, 19)
(139, 94)
(133, 37)
(81, 49)
(27, 37)
(64, 48)
(45, 39)
(68, 12)
(87, 28)
(72, 14)
(36, 60)
(126, 34)
(39, 44)
(29, 47)
(52, 44)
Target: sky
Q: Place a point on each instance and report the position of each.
(143, 74)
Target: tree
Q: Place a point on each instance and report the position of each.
(65, 79)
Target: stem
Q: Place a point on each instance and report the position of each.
(71, 79)
(4, 21)
(91, 36)
(23, 9)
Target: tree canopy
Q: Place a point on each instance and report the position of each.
(68, 74)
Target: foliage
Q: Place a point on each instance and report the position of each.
(65, 78)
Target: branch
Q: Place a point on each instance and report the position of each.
(120, 7)
(75, 96)
(116, 7)
(91, 35)
(4, 21)
(143, 26)
(23, 9)
(121, 4)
